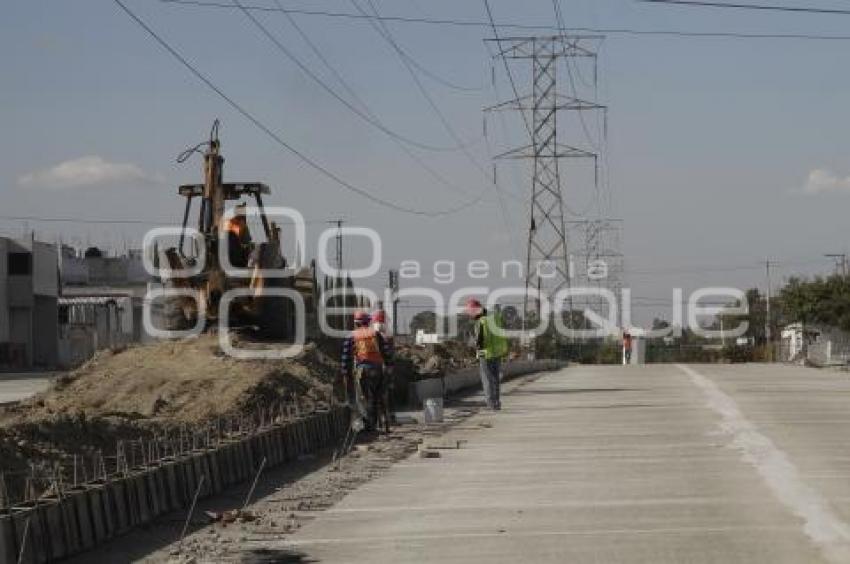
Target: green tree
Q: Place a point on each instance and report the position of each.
(819, 300)
(425, 320)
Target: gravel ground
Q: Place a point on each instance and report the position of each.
(284, 499)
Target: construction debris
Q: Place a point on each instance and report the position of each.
(427, 361)
(231, 516)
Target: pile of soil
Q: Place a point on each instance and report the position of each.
(428, 361)
(147, 390)
(178, 381)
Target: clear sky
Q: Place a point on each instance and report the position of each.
(721, 152)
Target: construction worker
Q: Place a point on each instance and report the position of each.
(238, 238)
(491, 348)
(627, 347)
(379, 324)
(364, 355)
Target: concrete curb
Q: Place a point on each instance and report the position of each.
(92, 514)
(469, 378)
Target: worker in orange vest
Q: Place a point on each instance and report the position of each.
(364, 355)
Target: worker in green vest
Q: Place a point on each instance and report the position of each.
(491, 348)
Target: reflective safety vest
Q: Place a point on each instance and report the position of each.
(495, 345)
(366, 347)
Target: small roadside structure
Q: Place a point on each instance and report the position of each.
(819, 345)
(423, 338)
(89, 324)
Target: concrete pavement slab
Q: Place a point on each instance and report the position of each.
(589, 464)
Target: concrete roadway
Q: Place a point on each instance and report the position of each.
(17, 387)
(651, 464)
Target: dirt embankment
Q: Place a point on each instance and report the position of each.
(149, 391)
(162, 392)
(186, 381)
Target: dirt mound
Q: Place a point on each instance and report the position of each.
(186, 381)
(147, 392)
(426, 361)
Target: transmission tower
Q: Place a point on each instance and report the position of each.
(601, 243)
(547, 259)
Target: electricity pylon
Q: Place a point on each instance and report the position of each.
(547, 259)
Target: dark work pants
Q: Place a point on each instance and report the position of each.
(368, 387)
(489, 369)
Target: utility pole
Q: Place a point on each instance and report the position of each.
(340, 279)
(767, 336)
(338, 223)
(547, 258)
(393, 286)
(840, 262)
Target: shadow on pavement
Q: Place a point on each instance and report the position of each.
(567, 391)
(277, 556)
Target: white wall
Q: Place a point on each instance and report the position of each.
(45, 269)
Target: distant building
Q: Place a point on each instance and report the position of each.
(29, 292)
(93, 268)
(819, 345)
(101, 304)
(90, 324)
(793, 341)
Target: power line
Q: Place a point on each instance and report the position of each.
(89, 220)
(514, 235)
(383, 30)
(80, 220)
(370, 119)
(356, 97)
(403, 53)
(527, 27)
(722, 268)
(516, 93)
(762, 7)
(562, 27)
(572, 83)
(277, 139)
(505, 62)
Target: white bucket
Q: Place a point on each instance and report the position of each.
(433, 410)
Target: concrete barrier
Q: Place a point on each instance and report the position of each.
(469, 378)
(8, 544)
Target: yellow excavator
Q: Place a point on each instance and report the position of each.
(270, 316)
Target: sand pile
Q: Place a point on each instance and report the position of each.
(180, 381)
(147, 391)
